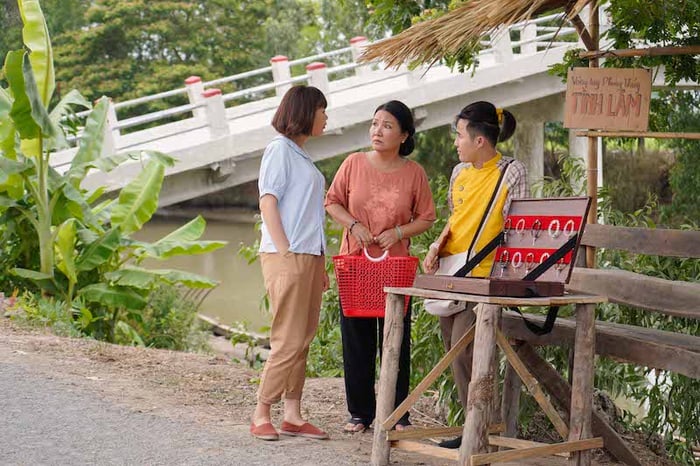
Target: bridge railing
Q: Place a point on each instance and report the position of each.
(207, 102)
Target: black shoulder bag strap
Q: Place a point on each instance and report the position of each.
(478, 257)
(539, 270)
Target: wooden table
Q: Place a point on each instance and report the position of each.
(487, 336)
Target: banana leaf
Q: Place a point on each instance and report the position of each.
(99, 251)
(60, 111)
(190, 231)
(21, 112)
(35, 35)
(113, 296)
(138, 200)
(7, 127)
(138, 277)
(171, 249)
(90, 147)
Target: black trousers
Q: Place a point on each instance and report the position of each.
(362, 341)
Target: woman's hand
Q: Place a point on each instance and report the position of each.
(430, 262)
(362, 234)
(387, 238)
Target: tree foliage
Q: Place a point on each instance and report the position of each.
(675, 110)
(399, 15)
(141, 47)
(647, 23)
(61, 16)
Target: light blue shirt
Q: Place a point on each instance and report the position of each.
(289, 174)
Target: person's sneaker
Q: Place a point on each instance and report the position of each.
(454, 443)
(305, 430)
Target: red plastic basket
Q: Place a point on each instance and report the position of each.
(361, 281)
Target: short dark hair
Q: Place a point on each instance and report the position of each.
(403, 115)
(296, 113)
(482, 119)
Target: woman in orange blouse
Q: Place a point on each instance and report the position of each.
(382, 199)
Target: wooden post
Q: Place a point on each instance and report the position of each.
(582, 382)
(496, 401)
(592, 161)
(510, 405)
(478, 409)
(393, 332)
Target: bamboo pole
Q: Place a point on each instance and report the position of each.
(592, 162)
(583, 33)
(647, 52)
(638, 134)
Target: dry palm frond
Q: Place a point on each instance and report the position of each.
(431, 40)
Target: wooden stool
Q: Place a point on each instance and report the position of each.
(486, 336)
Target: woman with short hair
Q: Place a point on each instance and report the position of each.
(292, 249)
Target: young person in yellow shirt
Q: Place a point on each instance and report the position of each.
(479, 126)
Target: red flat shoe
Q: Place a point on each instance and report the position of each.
(264, 431)
(305, 430)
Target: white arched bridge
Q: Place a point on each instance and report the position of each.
(219, 144)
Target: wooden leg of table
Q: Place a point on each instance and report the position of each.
(434, 373)
(510, 404)
(393, 332)
(496, 403)
(582, 381)
(480, 399)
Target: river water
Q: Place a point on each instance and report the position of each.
(239, 294)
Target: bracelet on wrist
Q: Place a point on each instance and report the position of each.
(399, 233)
(354, 222)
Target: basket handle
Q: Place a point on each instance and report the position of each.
(375, 259)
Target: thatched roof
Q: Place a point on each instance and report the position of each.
(431, 40)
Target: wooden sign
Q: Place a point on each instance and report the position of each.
(608, 98)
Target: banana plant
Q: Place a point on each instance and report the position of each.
(86, 251)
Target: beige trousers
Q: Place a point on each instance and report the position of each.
(294, 283)
(453, 328)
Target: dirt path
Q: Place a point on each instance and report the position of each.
(77, 401)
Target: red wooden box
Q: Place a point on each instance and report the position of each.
(527, 244)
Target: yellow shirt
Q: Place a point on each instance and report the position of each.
(471, 192)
